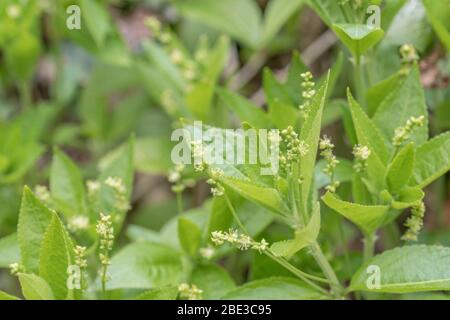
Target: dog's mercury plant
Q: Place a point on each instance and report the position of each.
(308, 93)
(105, 232)
(361, 154)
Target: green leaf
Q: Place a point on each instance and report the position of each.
(310, 133)
(96, 19)
(408, 269)
(190, 235)
(66, 185)
(56, 256)
(282, 112)
(367, 218)
(9, 250)
(437, 13)
(35, 288)
(277, 13)
(380, 91)
(199, 99)
(303, 237)
(273, 289)
(400, 170)
(164, 293)
(432, 160)
(329, 11)
(152, 155)
(407, 101)
(5, 296)
(34, 217)
(144, 266)
(213, 280)
(358, 37)
(241, 19)
(296, 68)
(369, 135)
(407, 197)
(244, 109)
(268, 197)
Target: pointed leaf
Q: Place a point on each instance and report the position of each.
(34, 217)
(400, 170)
(190, 235)
(358, 37)
(408, 269)
(432, 160)
(35, 288)
(303, 237)
(56, 257)
(367, 218)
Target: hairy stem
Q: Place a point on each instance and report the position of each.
(369, 246)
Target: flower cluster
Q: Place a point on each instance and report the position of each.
(175, 177)
(217, 189)
(42, 193)
(198, 155)
(189, 292)
(78, 223)
(308, 93)
(295, 148)
(105, 231)
(120, 192)
(207, 252)
(93, 187)
(240, 241)
(415, 222)
(361, 154)
(408, 54)
(80, 259)
(15, 268)
(326, 148)
(403, 134)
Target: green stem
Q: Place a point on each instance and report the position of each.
(179, 202)
(360, 84)
(369, 246)
(326, 269)
(302, 275)
(103, 280)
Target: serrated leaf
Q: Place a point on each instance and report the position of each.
(368, 135)
(432, 160)
(245, 110)
(408, 269)
(144, 266)
(407, 101)
(358, 37)
(213, 280)
(380, 91)
(400, 170)
(303, 237)
(268, 197)
(190, 235)
(34, 217)
(273, 289)
(367, 218)
(35, 288)
(9, 250)
(56, 256)
(66, 185)
(310, 133)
